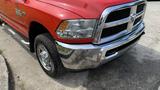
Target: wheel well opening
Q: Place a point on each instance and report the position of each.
(34, 30)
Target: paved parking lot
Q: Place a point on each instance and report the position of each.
(138, 69)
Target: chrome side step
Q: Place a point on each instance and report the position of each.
(15, 35)
(25, 42)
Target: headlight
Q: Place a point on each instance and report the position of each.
(76, 28)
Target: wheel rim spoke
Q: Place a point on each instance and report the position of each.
(44, 57)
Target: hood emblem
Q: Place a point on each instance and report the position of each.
(20, 12)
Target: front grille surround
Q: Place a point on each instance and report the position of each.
(137, 10)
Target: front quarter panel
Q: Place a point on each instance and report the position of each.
(47, 15)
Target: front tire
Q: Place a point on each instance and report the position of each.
(47, 55)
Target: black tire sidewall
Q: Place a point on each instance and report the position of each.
(46, 40)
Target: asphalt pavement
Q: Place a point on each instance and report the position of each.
(4, 75)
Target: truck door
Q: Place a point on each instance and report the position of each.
(2, 6)
(14, 15)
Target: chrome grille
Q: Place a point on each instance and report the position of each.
(117, 21)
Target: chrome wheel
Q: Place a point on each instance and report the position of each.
(44, 57)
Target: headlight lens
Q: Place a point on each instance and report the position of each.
(76, 28)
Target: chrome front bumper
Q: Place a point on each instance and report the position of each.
(90, 56)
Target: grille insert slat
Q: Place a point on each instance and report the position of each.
(140, 8)
(137, 20)
(113, 30)
(119, 14)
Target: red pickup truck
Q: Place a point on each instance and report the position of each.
(75, 34)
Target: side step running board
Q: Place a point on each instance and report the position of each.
(15, 35)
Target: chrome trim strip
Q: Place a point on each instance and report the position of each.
(113, 55)
(140, 14)
(110, 38)
(24, 42)
(116, 23)
(11, 31)
(101, 24)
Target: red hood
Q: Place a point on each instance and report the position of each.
(85, 8)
